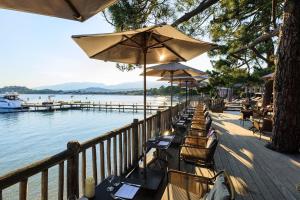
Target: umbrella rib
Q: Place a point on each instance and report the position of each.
(158, 43)
(188, 74)
(129, 38)
(170, 49)
(132, 46)
(77, 14)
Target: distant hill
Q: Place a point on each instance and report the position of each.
(91, 90)
(94, 90)
(129, 86)
(72, 86)
(25, 90)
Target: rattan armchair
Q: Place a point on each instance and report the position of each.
(186, 186)
(198, 155)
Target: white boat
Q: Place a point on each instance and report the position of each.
(10, 101)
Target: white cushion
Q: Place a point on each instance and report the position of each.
(219, 190)
(210, 141)
(210, 132)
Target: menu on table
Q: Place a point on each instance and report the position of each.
(163, 143)
(127, 191)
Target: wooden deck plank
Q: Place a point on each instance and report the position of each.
(252, 178)
(269, 165)
(250, 183)
(230, 167)
(256, 172)
(274, 164)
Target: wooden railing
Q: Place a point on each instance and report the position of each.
(113, 153)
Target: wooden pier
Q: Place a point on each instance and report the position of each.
(90, 106)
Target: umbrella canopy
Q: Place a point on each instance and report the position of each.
(188, 84)
(163, 44)
(79, 10)
(183, 78)
(184, 81)
(171, 69)
(156, 44)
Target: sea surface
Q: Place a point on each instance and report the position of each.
(26, 137)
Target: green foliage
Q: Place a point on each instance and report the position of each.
(133, 14)
(232, 24)
(237, 23)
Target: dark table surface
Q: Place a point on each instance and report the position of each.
(154, 142)
(101, 192)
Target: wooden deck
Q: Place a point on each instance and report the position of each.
(256, 172)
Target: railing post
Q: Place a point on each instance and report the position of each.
(135, 141)
(73, 170)
(158, 123)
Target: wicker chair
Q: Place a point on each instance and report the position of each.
(199, 155)
(186, 186)
(201, 128)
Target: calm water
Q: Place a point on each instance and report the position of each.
(30, 136)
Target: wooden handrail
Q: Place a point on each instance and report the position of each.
(32, 169)
(123, 143)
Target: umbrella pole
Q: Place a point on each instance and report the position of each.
(145, 115)
(171, 99)
(186, 93)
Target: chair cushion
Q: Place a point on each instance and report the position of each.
(174, 192)
(210, 132)
(219, 190)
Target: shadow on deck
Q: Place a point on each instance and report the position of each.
(256, 172)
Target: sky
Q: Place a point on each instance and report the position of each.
(37, 50)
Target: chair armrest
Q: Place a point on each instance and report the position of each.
(197, 147)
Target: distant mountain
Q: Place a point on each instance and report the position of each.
(129, 86)
(25, 90)
(71, 86)
(94, 90)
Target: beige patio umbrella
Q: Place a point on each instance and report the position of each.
(171, 70)
(183, 80)
(149, 45)
(79, 10)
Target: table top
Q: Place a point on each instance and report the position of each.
(101, 192)
(158, 142)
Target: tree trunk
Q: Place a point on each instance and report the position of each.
(286, 128)
(267, 100)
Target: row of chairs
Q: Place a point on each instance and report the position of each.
(198, 148)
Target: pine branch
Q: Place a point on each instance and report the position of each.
(259, 55)
(258, 40)
(200, 8)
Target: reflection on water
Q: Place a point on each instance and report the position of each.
(30, 136)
